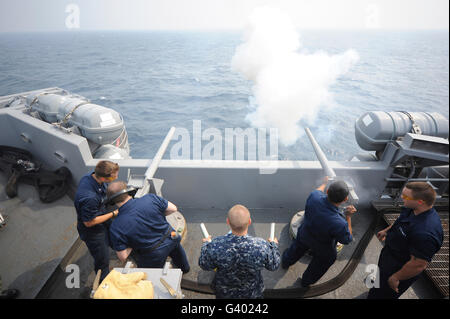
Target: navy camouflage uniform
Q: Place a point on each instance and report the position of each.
(239, 260)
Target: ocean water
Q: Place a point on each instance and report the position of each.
(161, 79)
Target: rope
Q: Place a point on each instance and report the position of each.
(36, 98)
(68, 115)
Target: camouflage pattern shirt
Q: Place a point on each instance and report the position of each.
(238, 261)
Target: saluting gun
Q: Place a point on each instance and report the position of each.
(150, 172)
(148, 180)
(352, 197)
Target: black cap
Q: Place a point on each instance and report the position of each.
(130, 190)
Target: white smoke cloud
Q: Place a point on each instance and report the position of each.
(289, 85)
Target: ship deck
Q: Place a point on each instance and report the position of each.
(40, 240)
(214, 219)
(31, 247)
(355, 287)
(35, 253)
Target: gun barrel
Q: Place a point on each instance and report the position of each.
(326, 166)
(159, 154)
(320, 155)
(155, 163)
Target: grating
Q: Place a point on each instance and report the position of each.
(437, 270)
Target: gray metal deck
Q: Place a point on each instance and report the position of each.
(261, 218)
(31, 247)
(215, 222)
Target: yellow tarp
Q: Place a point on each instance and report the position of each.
(125, 286)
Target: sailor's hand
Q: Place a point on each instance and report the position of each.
(207, 239)
(381, 235)
(394, 282)
(350, 210)
(275, 240)
(324, 184)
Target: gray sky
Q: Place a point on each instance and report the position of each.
(51, 15)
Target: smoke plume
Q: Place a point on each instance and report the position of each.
(290, 84)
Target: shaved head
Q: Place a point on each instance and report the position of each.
(239, 218)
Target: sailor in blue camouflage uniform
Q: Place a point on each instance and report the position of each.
(239, 258)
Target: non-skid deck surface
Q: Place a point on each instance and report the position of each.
(35, 239)
(215, 221)
(354, 287)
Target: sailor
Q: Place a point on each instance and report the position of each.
(238, 258)
(92, 220)
(142, 229)
(410, 243)
(322, 227)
